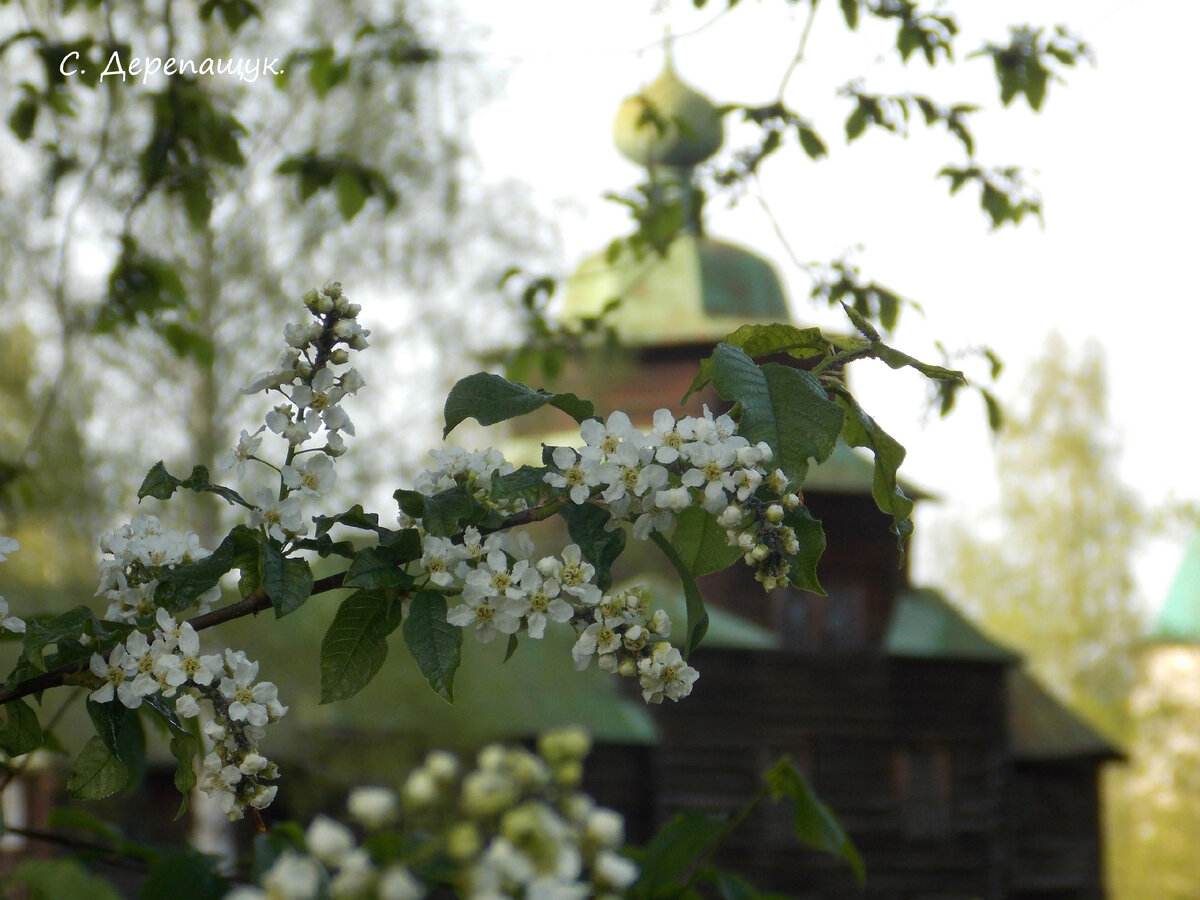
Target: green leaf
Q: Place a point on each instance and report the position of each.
(856, 124)
(860, 430)
(21, 732)
(783, 406)
(862, 323)
(434, 643)
(351, 193)
(995, 413)
(701, 542)
(812, 143)
(288, 582)
(23, 117)
(814, 824)
(158, 483)
(448, 511)
(179, 587)
(65, 630)
(734, 887)
(60, 879)
(121, 731)
(811, 536)
(355, 646)
(97, 772)
(489, 399)
(184, 875)
(675, 850)
(766, 340)
(184, 749)
(374, 568)
(697, 615)
(586, 524)
(850, 12)
(898, 360)
(526, 483)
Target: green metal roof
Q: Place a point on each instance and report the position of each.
(1042, 728)
(925, 625)
(700, 291)
(1179, 619)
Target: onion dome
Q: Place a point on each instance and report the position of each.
(668, 124)
(702, 288)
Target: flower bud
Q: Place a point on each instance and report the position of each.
(774, 513)
(373, 807)
(463, 841)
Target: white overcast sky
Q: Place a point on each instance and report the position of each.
(1113, 154)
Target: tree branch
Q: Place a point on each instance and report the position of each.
(252, 604)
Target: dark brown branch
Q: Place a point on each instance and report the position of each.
(252, 604)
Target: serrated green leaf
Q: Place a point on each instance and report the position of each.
(674, 851)
(489, 399)
(814, 823)
(158, 483)
(783, 406)
(586, 525)
(97, 772)
(355, 646)
(697, 615)
(860, 430)
(811, 536)
(434, 643)
(179, 587)
(701, 542)
(21, 731)
(288, 582)
(447, 512)
(374, 568)
(766, 340)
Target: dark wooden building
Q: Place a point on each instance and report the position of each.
(956, 775)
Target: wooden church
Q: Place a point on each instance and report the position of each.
(956, 774)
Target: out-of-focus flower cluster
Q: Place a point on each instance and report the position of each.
(168, 663)
(311, 391)
(7, 622)
(516, 825)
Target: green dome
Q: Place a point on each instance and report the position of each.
(698, 293)
(668, 124)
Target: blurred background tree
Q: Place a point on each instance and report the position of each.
(170, 221)
(1051, 572)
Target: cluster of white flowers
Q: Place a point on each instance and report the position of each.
(137, 555)
(514, 826)
(472, 470)
(645, 479)
(627, 638)
(311, 392)
(7, 622)
(649, 478)
(168, 662)
(504, 591)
